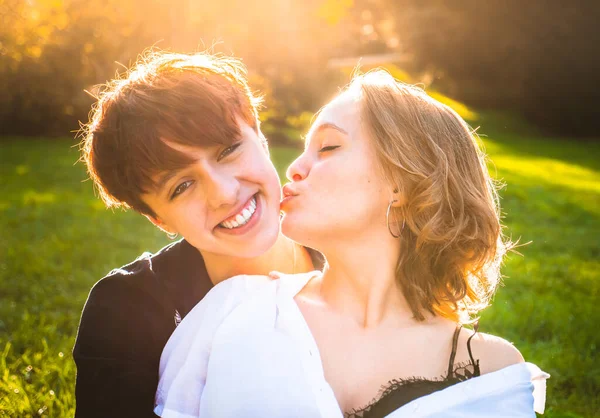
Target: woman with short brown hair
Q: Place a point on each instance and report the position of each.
(176, 138)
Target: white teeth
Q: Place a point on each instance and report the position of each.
(243, 217)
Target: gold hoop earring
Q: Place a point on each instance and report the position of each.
(387, 220)
(172, 235)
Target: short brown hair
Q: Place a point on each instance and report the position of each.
(451, 243)
(190, 99)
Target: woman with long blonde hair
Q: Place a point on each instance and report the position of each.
(393, 190)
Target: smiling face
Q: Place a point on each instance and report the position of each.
(225, 202)
(337, 192)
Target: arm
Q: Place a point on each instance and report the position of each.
(497, 354)
(494, 353)
(121, 334)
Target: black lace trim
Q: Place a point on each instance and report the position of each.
(417, 386)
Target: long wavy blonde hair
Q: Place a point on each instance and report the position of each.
(451, 243)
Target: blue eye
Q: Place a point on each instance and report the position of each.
(228, 151)
(181, 188)
(329, 148)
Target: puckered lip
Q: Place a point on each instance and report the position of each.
(289, 190)
(238, 209)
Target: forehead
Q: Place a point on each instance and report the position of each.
(343, 111)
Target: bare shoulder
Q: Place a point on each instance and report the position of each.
(494, 353)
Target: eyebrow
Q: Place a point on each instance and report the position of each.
(164, 179)
(328, 125)
(321, 128)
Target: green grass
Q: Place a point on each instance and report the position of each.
(58, 240)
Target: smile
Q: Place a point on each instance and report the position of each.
(242, 217)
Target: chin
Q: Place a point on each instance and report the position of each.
(296, 231)
(264, 241)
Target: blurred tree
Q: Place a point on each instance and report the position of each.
(537, 58)
(53, 50)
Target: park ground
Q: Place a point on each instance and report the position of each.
(58, 240)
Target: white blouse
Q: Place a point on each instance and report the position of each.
(245, 350)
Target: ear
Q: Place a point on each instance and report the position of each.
(398, 198)
(159, 224)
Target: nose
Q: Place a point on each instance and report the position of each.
(221, 188)
(299, 169)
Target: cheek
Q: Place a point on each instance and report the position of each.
(258, 168)
(356, 202)
(352, 187)
(190, 217)
(344, 195)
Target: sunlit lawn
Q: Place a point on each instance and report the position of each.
(57, 240)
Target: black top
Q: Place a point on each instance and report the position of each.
(399, 392)
(126, 322)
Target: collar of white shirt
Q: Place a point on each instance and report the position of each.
(246, 347)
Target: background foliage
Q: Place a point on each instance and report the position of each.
(62, 240)
(526, 72)
(536, 58)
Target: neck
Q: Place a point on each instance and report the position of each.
(285, 256)
(360, 280)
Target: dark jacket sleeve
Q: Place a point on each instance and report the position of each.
(117, 352)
